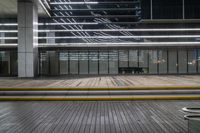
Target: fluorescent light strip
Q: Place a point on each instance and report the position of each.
(8, 38)
(112, 30)
(89, 23)
(107, 37)
(44, 8)
(68, 23)
(100, 16)
(8, 24)
(96, 30)
(93, 2)
(47, 4)
(121, 37)
(8, 31)
(40, 24)
(8, 45)
(98, 9)
(72, 3)
(121, 44)
(111, 44)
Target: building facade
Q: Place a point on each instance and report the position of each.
(102, 37)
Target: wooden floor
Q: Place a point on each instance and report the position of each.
(102, 81)
(94, 117)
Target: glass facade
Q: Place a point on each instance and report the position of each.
(133, 61)
(162, 61)
(8, 63)
(103, 62)
(137, 37)
(64, 61)
(143, 61)
(73, 62)
(83, 62)
(172, 61)
(192, 61)
(153, 62)
(182, 59)
(93, 62)
(113, 62)
(167, 9)
(192, 9)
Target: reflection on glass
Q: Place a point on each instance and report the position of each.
(13, 63)
(106, 62)
(192, 61)
(53, 62)
(93, 62)
(198, 58)
(63, 58)
(4, 62)
(153, 61)
(83, 62)
(172, 64)
(182, 61)
(103, 62)
(143, 60)
(123, 58)
(73, 62)
(133, 58)
(44, 63)
(162, 55)
(113, 62)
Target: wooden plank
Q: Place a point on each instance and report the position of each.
(85, 117)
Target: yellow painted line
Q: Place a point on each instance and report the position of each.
(105, 88)
(131, 98)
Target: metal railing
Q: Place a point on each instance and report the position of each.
(193, 119)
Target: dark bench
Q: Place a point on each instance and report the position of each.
(131, 70)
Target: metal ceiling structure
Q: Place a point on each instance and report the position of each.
(106, 14)
(103, 23)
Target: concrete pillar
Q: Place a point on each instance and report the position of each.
(27, 38)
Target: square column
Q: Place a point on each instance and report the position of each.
(27, 38)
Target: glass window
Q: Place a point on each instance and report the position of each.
(143, 61)
(192, 61)
(113, 62)
(53, 62)
(153, 62)
(44, 63)
(133, 58)
(83, 62)
(182, 61)
(93, 62)
(4, 63)
(103, 62)
(123, 58)
(192, 9)
(13, 62)
(172, 64)
(198, 58)
(146, 9)
(73, 62)
(64, 62)
(167, 9)
(162, 55)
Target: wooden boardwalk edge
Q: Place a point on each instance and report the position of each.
(104, 88)
(128, 98)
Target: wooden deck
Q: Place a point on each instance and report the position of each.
(102, 81)
(94, 117)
